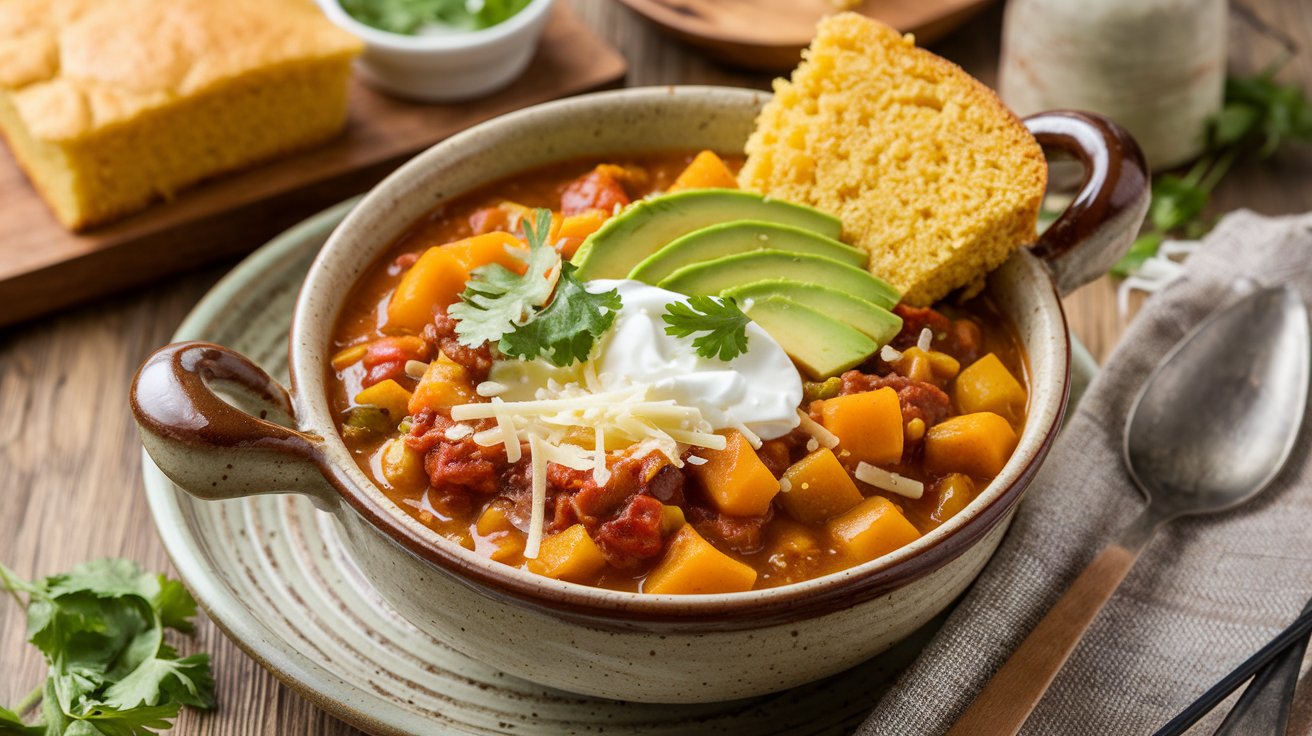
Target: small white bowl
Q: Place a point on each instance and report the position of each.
(451, 67)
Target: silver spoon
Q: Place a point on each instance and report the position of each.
(1211, 427)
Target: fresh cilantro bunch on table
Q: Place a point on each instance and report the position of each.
(1259, 116)
(545, 312)
(101, 629)
(724, 325)
(409, 17)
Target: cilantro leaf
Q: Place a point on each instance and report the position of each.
(104, 720)
(174, 605)
(185, 681)
(496, 300)
(567, 329)
(723, 322)
(101, 629)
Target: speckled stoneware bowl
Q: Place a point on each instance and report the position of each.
(620, 645)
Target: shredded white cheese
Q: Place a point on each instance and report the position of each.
(785, 485)
(926, 339)
(891, 482)
(490, 388)
(817, 430)
(458, 432)
(416, 368)
(537, 448)
(890, 354)
(696, 460)
(812, 445)
(624, 416)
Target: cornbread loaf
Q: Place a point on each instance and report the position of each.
(110, 105)
(929, 171)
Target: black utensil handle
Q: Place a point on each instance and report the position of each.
(1264, 707)
(1300, 628)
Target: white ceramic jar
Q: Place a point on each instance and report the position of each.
(1157, 67)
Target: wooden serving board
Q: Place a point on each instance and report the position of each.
(770, 34)
(44, 267)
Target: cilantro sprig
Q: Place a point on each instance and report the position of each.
(724, 325)
(101, 629)
(545, 312)
(1259, 116)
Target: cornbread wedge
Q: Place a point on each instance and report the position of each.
(110, 105)
(931, 174)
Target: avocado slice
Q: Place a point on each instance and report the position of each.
(646, 226)
(821, 345)
(740, 236)
(877, 323)
(720, 274)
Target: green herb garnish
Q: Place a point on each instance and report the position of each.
(723, 322)
(409, 17)
(1259, 116)
(101, 629)
(566, 330)
(513, 311)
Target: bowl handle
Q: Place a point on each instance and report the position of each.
(1100, 223)
(218, 450)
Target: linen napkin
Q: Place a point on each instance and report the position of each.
(1207, 592)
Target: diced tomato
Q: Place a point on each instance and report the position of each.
(596, 190)
(386, 357)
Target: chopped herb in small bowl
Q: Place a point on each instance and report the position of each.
(416, 17)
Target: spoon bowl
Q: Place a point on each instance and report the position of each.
(1215, 422)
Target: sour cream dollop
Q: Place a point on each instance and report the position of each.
(760, 389)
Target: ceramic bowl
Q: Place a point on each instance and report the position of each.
(446, 67)
(654, 648)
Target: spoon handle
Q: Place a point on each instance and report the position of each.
(1008, 699)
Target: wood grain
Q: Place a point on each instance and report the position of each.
(70, 475)
(770, 34)
(43, 267)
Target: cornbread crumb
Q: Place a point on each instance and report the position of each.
(929, 171)
(110, 105)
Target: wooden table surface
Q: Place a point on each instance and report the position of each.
(70, 475)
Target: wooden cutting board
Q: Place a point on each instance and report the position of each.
(44, 267)
(770, 34)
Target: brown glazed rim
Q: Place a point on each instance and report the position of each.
(626, 611)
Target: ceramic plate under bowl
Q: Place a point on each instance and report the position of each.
(273, 574)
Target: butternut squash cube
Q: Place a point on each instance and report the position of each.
(954, 492)
(435, 280)
(975, 444)
(569, 555)
(692, 565)
(868, 425)
(403, 466)
(818, 488)
(987, 385)
(387, 395)
(494, 519)
(707, 170)
(871, 529)
(735, 478)
(494, 247)
(445, 384)
(574, 229)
